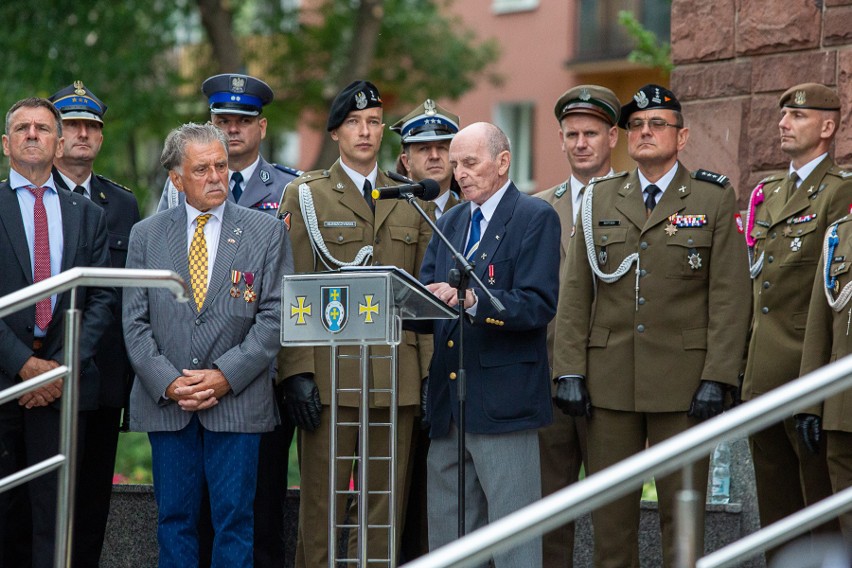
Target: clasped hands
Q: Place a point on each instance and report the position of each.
(45, 394)
(198, 389)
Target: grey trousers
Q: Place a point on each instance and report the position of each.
(502, 475)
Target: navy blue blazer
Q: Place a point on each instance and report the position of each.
(84, 232)
(505, 355)
(122, 212)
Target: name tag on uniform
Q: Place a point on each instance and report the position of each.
(338, 223)
(608, 222)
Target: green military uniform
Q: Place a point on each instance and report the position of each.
(827, 339)
(562, 444)
(784, 229)
(398, 236)
(645, 340)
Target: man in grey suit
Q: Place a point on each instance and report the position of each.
(201, 389)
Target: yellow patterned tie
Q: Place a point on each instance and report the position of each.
(198, 261)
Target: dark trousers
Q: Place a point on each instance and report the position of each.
(788, 476)
(94, 484)
(562, 445)
(29, 516)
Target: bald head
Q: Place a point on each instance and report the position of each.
(480, 156)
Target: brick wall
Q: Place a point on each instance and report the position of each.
(733, 60)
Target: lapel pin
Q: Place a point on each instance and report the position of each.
(682, 189)
(238, 231)
(231, 241)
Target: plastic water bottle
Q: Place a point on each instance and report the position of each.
(720, 474)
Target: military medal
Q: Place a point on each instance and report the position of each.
(249, 295)
(788, 230)
(671, 229)
(695, 261)
(796, 244)
(602, 255)
(491, 274)
(236, 276)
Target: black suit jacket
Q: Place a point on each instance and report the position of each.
(122, 212)
(84, 233)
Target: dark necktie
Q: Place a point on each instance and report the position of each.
(368, 194)
(475, 234)
(80, 190)
(237, 178)
(41, 254)
(651, 198)
(792, 179)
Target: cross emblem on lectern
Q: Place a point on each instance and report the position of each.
(301, 310)
(369, 308)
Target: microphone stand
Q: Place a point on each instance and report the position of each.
(458, 277)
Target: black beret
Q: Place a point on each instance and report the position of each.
(647, 98)
(357, 96)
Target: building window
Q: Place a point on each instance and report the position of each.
(509, 6)
(516, 120)
(601, 37)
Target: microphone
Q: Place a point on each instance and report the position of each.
(426, 190)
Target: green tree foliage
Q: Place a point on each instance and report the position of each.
(649, 50)
(421, 51)
(146, 59)
(121, 49)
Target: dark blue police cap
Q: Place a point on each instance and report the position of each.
(77, 102)
(230, 93)
(358, 95)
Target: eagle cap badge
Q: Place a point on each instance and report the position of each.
(238, 84)
(360, 101)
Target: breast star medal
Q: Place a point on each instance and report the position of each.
(788, 230)
(236, 276)
(695, 261)
(671, 229)
(249, 295)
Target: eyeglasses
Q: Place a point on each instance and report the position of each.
(655, 124)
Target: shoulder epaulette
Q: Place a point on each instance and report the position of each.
(712, 177)
(109, 181)
(613, 175)
(560, 190)
(307, 177)
(844, 219)
(778, 176)
(840, 172)
(288, 170)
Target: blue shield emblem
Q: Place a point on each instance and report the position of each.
(335, 307)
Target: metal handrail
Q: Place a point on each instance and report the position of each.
(86, 276)
(63, 282)
(661, 459)
(779, 532)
